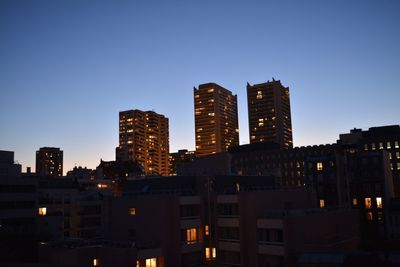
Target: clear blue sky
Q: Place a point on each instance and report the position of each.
(68, 67)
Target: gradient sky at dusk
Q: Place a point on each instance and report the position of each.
(68, 67)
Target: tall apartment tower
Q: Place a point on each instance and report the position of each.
(144, 138)
(49, 161)
(216, 119)
(269, 113)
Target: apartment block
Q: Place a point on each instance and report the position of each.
(216, 119)
(144, 138)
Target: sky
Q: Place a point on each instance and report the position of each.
(68, 67)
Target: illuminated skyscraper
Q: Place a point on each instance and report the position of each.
(144, 137)
(49, 161)
(216, 119)
(269, 113)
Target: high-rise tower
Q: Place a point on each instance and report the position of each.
(269, 113)
(49, 161)
(144, 137)
(216, 119)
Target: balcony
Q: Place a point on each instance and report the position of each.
(271, 248)
(195, 247)
(270, 223)
(228, 222)
(227, 199)
(229, 245)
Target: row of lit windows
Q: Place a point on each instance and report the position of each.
(211, 253)
(381, 145)
(397, 166)
(368, 202)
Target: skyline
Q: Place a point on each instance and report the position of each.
(100, 57)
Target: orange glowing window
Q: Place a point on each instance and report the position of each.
(207, 229)
(132, 211)
(368, 203)
(42, 211)
(191, 236)
(320, 166)
(369, 216)
(151, 262)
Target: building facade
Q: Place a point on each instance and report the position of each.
(144, 138)
(216, 119)
(49, 162)
(269, 113)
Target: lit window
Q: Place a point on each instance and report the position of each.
(369, 216)
(366, 147)
(137, 264)
(191, 236)
(373, 146)
(320, 166)
(391, 166)
(368, 203)
(259, 95)
(42, 211)
(398, 165)
(151, 262)
(211, 253)
(388, 146)
(390, 155)
(379, 202)
(211, 114)
(210, 90)
(398, 155)
(207, 229)
(132, 211)
(208, 254)
(321, 203)
(396, 144)
(102, 185)
(380, 145)
(354, 201)
(95, 262)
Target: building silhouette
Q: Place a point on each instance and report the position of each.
(144, 137)
(269, 113)
(216, 119)
(49, 161)
(180, 158)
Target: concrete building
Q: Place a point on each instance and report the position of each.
(216, 119)
(144, 138)
(377, 139)
(49, 162)
(227, 221)
(269, 113)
